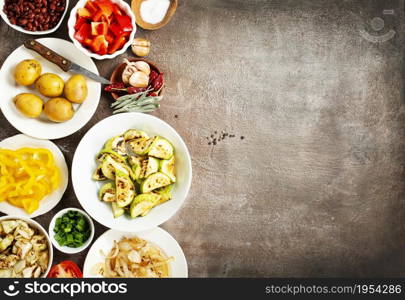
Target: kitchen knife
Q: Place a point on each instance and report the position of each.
(63, 63)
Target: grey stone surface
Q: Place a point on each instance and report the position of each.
(316, 188)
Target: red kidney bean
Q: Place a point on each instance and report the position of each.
(34, 15)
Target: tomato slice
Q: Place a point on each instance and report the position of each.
(65, 269)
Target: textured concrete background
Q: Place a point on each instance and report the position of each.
(316, 188)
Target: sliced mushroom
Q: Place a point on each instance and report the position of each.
(5, 273)
(27, 272)
(19, 266)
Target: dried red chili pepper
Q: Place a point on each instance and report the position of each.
(114, 86)
(152, 76)
(134, 90)
(157, 83)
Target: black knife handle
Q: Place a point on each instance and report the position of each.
(48, 54)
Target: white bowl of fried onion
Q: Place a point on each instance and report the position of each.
(149, 254)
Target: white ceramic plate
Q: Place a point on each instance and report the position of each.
(72, 21)
(18, 28)
(66, 249)
(50, 201)
(84, 164)
(41, 229)
(41, 128)
(157, 236)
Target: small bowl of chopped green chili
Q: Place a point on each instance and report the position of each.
(71, 230)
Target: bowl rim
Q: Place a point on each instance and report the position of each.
(20, 29)
(43, 231)
(187, 183)
(71, 31)
(66, 249)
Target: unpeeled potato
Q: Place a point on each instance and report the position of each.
(27, 71)
(29, 105)
(50, 85)
(58, 110)
(76, 89)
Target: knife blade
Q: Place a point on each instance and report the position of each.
(62, 62)
(78, 69)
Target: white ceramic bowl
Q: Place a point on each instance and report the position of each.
(84, 164)
(72, 21)
(66, 249)
(156, 236)
(18, 28)
(50, 201)
(41, 229)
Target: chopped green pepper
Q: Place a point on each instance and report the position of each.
(72, 229)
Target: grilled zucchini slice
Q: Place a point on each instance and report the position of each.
(117, 211)
(149, 166)
(125, 189)
(167, 167)
(104, 153)
(110, 165)
(98, 174)
(107, 192)
(165, 193)
(116, 144)
(134, 134)
(142, 204)
(161, 148)
(141, 146)
(155, 181)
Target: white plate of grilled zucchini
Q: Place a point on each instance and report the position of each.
(131, 172)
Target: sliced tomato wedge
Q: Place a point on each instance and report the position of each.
(65, 269)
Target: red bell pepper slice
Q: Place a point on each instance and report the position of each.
(110, 38)
(100, 45)
(99, 28)
(83, 32)
(79, 22)
(118, 43)
(124, 22)
(116, 30)
(106, 7)
(97, 16)
(91, 7)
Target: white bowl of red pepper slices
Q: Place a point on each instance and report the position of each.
(102, 29)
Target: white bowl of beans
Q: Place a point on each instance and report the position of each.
(36, 17)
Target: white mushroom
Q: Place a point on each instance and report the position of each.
(27, 272)
(26, 233)
(9, 226)
(25, 248)
(5, 273)
(19, 266)
(31, 257)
